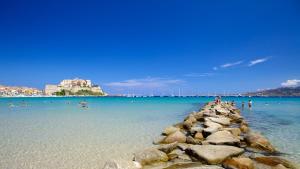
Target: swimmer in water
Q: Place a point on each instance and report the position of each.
(250, 104)
(243, 105)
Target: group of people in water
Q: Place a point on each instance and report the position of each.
(218, 101)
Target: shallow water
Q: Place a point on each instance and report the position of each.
(55, 133)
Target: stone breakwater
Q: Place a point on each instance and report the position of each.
(216, 137)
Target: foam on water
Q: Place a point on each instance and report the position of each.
(55, 133)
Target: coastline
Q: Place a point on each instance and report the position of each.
(216, 136)
(210, 96)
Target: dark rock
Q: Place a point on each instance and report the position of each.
(191, 140)
(274, 161)
(167, 148)
(238, 163)
(175, 153)
(258, 141)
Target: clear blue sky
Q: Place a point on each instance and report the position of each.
(146, 46)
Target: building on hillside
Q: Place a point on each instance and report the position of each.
(14, 91)
(73, 86)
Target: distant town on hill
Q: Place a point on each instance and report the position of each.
(67, 87)
(74, 87)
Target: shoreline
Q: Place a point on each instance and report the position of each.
(215, 137)
(148, 96)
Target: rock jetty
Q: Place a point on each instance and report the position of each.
(215, 137)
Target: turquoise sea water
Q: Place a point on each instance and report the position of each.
(55, 133)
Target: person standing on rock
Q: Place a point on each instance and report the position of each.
(250, 104)
(217, 100)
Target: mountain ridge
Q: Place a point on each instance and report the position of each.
(281, 91)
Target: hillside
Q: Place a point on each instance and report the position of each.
(283, 91)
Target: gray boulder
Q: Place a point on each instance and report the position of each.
(183, 146)
(220, 120)
(150, 156)
(159, 140)
(175, 153)
(222, 111)
(175, 137)
(209, 123)
(222, 137)
(211, 126)
(234, 131)
(169, 130)
(191, 140)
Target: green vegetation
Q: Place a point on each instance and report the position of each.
(62, 93)
(88, 93)
(80, 93)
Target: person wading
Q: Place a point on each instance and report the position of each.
(250, 104)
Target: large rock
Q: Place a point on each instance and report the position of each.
(159, 140)
(210, 114)
(244, 122)
(211, 126)
(167, 148)
(258, 141)
(184, 165)
(150, 156)
(220, 120)
(175, 137)
(184, 157)
(199, 136)
(198, 116)
(175, 153)
(214, 154)
(191, 118)
(274, 161)
(209, 123)
(279, 166)
(188, 124)
(222, 111)
(222, 137)
(239, 163)
(207, 167)
(234, 131)
(183, 146)
(244, 128)
(120, 164)
(179, 125)
(169, 130)
(211, 130)
(235, 117)
(191, 140)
